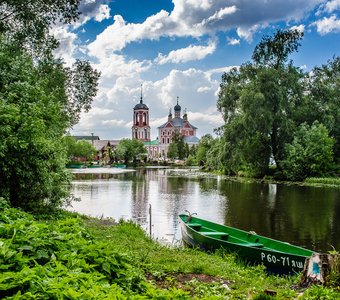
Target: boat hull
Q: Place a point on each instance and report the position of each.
(278, 257)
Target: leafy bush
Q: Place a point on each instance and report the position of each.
(310, 153)
(60, 260)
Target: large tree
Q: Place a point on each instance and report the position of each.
(40, 100)
(35, 113)
(257, 102)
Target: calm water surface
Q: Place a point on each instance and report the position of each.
(305, 216)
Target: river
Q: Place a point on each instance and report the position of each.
(304, 216)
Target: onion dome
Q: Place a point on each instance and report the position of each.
(177, 106)
(140, 105)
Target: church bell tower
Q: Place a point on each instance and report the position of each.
(141, 127)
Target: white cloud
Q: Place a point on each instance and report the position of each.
(329, 6)
(221, 70)
(214, 119)
(197, 90)
(119, 34)
(112, 114)
(114, 122)
(103, 13)
(247, 33)
(203, 89)
(154, 123)
(67, 46)
(300, 28)
(233, 41)
(92, 10)
(115, 65)
(186, 54)
(196, 18)
(327, 25)
(220, 14)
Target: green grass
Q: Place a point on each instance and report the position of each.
(76, 257)
(328, 181)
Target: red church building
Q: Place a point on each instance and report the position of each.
(158, 149)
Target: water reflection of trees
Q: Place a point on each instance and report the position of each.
(311, 214)
(300, 215)
(139, 196)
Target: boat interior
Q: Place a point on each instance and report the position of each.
(250, 240)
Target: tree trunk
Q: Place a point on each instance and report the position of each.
(274, 146)
(319, 269)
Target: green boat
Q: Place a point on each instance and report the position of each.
(278, 257)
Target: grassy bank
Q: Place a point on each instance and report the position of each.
(80, 258)
(323, 181)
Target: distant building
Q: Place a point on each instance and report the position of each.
(102, 146)
(176, 124)
(158, 149)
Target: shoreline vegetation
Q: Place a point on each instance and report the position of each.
(78, 257)
(312, 181)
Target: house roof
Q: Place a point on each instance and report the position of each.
(152, 143)
(177, 122)
(101, 144)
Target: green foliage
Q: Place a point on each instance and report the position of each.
(319, 293)
(66, 259)
(33, 119)
(310, 154)
(76, 149)
(208, 153)
(81, 87)
(28, 22)
(323, 100)
(178, 148)
(333, 181)
(274, 51)
(202, 149)
(264, 102)
(130, 150)
(191, 161)
(60, 260)
(173, 151)
(257, 103)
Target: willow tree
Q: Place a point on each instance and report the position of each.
(258, 102)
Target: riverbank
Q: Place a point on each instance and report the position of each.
(101, 170)
(197, 173)
(312, 181)
(75, 257)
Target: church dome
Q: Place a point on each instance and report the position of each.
(140, 105)
(177, 107)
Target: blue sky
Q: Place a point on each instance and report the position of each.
(181, 48)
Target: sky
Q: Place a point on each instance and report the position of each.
(180, 48)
